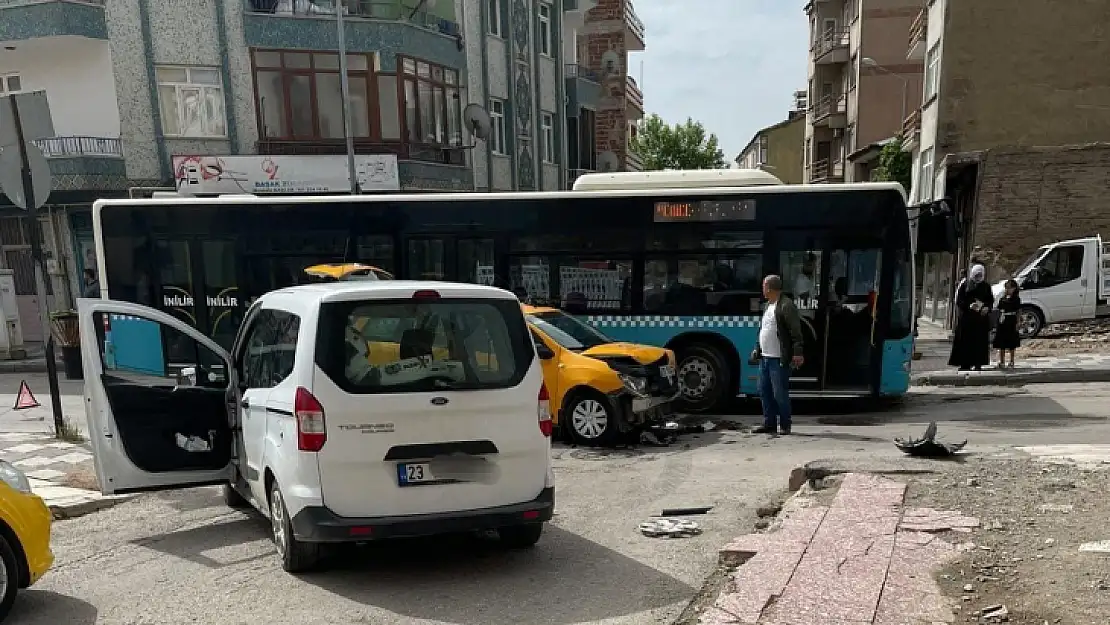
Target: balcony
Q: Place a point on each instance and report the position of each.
(21, 20)
(634, 29)
(632, 161)
(634, 99)
(830, 111)
(831, 48)
(443, 155)
(574, 12)
(825, 170)
(911, 131)
(85, 163)
(310, 25)
(583, 88)
(918, 29)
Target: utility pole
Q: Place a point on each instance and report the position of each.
(345, 91)
(34, 230)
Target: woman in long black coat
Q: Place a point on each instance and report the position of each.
(971, 343)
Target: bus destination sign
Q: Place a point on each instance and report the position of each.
(705, 210)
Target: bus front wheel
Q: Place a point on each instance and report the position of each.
(703, 377)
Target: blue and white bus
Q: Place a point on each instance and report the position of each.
(671, 258)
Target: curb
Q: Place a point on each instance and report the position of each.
(66, 511)
(23, 366)
(1061, 376)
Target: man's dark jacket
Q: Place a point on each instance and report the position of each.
(789, 323)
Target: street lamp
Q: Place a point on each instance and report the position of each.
(345, 93)
(870, 62)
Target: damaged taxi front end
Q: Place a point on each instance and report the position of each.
(602, 391)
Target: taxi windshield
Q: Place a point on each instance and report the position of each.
(581, 332)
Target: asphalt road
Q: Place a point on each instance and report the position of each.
(181, 557)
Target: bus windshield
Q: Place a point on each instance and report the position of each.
(568, 331)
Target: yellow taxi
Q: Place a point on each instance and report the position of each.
(347, 271)
(25, 521)
(600, 389)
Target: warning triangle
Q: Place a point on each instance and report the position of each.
(25, 399)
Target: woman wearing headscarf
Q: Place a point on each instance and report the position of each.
(971, 343)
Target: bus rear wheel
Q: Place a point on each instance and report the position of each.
(703, 378)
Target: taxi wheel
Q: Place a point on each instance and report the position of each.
(590, 419)
(9, 578)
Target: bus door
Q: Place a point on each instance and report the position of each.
(851, 272)
(457, 258)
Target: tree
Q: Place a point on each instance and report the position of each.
(682, 146)
(894, 165)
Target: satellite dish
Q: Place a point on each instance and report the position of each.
(476, 118)
(610, 63)
(607, 162)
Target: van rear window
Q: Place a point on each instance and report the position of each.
(399, 346)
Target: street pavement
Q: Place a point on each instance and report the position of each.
(181, 557)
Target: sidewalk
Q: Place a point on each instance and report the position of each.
(1046, 370)
(861, 559)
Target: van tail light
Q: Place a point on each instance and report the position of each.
(543, 411)
(311, 432)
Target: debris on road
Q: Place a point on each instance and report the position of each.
(1101, 546)
(685, 511)
(927, 446)
(669, 528)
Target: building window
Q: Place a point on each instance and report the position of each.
(496, 17)
(762, 151)
(547, 128)
(191, 100)
(932, 71)
(497, 126)
(926, 182)
(432, 103)
(10, 83)
(299, 97)
(545, 29)
(853, 71)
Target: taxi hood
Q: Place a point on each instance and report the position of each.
(642, 354)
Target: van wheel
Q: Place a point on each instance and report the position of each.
(232, 498)
(591, 420)
(9, 578)
(703, 378)
(520, 536)
(296, 557)
(1030, 322)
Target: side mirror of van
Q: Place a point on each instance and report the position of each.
(543, 351)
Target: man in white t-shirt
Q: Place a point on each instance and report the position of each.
(778, 351)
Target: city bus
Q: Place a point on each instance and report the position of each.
(673, 259)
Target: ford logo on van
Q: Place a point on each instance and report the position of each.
(440, 401)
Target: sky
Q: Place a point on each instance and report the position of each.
(733, 65)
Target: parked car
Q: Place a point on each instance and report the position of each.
(328, 272)
(600, 389)
(446, 429)
(25, 521)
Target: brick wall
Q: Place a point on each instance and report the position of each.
(604, 31)
(1032, 196)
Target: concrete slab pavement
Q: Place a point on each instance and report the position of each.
(1044, 370)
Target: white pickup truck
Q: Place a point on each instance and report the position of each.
(1062, 281)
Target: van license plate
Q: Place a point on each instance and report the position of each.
(414, 473)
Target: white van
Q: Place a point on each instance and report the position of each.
(344, 412)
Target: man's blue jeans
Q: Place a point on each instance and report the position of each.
(774, 392)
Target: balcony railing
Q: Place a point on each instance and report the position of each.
(830, 40)
(633, 20)
(825, 170)
(368, 9)
(570, 70)
(917, 33)
(911, 126)
(56, 147)
(633, 161)
(828, 106)
(446, 155)
(633, 93)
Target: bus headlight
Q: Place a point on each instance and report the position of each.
(636, 386)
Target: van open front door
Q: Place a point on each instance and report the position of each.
(161, 425)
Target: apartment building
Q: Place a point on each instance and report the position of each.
(860, 84)
(604, 103)
(1012, 129)
(153, 94)
(778, 148)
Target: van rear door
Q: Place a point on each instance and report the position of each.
(430, 404)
